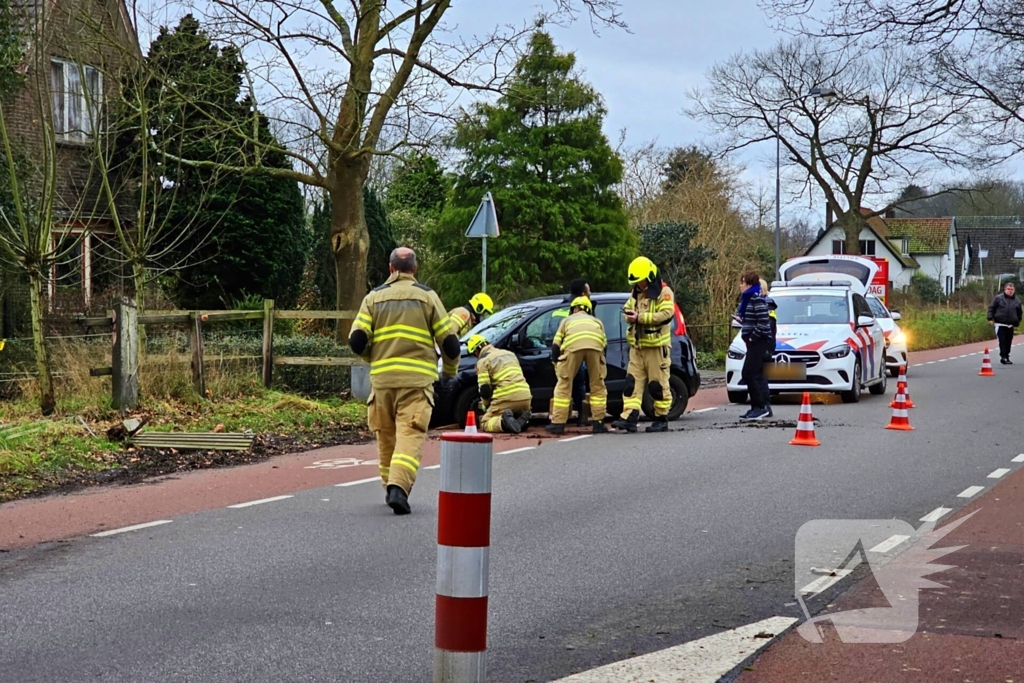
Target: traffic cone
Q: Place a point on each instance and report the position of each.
(471, 422)
(986, 366)
(900, 420)
(805, 425)
(906, 386)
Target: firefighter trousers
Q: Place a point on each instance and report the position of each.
(399, 418)
(566, 371)
(648, 365)
(491, 421)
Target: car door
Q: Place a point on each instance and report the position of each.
(876, 356)
(617, 354)
(533, 348)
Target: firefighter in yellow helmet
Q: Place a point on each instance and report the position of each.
(465, 317)
(504, 393)
(580, 339)
(649, 312)
(399, 327)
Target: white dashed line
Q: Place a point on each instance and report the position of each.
(942, 360)
(889, 543)
(358, 481)
(134, 527)
(970, 492)
(574, 438)
(823, 583)
(704, 410)
(997, 474)
(432, 467)
(1019, 458)
(931, 362)
(258, 502)
(936, 514)
(917, 365)
(517, 450)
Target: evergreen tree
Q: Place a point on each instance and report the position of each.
(542, 154)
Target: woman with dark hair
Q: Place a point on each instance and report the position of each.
(756, 332)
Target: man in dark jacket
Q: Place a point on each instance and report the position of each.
(756, 332)
(1005, 314)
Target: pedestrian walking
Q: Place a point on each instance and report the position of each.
(649, 311)
(504, 393)
(1004, 313)
(756, 333)
(580, 340)
(399, 327)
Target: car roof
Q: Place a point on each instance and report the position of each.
(598, 297)
(783, 291)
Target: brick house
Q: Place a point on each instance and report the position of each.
(74, 53)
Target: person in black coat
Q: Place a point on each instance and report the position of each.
(1004, 313)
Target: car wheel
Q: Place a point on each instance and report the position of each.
(680, 398)
(878, 388)
(853, 395)
(737, 396)
(463, 403)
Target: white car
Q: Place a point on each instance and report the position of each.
(895, 338)
(828, 339)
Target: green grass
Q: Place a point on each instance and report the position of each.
(941, 329)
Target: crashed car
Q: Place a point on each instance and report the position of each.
(528, 329)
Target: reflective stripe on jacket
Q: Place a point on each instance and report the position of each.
(462, 321)
(501, 370)
(403, 321)
(651, 328)
(580, 331)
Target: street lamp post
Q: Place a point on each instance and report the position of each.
(814, 92)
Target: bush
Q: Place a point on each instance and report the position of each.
(937, 330)
(928, 289)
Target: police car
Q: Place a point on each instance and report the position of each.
(895, 338)
(828, 338)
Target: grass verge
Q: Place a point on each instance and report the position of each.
(941, 329)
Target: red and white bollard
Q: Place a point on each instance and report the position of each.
(463, 547)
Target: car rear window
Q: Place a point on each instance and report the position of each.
(812, 309)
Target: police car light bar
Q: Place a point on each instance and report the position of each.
(811, 283)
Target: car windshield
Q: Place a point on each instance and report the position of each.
(501, 322)
(812, 309)
(878, 308)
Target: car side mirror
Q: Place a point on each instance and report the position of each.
(896, 315)
(865, 321)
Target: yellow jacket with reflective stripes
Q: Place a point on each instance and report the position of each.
(403, 321)
(580, 331)
(462, 321)
(651, 328)
(501, 370)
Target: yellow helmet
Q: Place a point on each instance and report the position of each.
(481, 303)
(582, 302)
(642, 268)
(476, 342)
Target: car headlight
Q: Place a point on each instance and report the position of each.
(835, 352)
(735, 355)
(898, 338)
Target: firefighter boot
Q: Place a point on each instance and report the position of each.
(599, 427)
(509, 423)
(660, 424)
(555, 428)
(629, 423)
(398, 500)
(524, 420)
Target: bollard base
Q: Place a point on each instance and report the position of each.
(459, 667)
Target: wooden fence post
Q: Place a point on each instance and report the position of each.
(125, 380)
(196, 345)
(268, 342)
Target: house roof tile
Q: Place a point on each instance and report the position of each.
(927, 235)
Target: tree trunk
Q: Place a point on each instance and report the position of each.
(139, 280)
(852, 223)
(47, 403)
(350, 240)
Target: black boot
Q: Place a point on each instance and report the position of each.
(524, 420)
(599, 427)
(555, 428)
(509, 423)
(398, 500)
(629, 424)
(660, 424)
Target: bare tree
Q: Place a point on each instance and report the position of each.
(883, 126)
(398, 63)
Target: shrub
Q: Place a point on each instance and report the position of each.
(928, 289)
(937, 330)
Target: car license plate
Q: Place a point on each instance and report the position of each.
(785, 371)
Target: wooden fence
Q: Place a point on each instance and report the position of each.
(124, 323)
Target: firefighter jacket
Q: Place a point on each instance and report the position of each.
(578, 332)
(501, 370)
(403, 320)
(651, 328)
(462, 321)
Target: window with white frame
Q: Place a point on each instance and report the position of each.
(77, 91)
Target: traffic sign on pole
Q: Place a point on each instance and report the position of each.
(484, 225)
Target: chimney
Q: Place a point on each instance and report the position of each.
(828, 215)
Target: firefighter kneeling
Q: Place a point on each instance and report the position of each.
(580, 339)
(504, 392)
(648, 311)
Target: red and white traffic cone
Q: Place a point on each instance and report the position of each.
(900, 419)
(805, 425)
(906, 386)
(471, 422)
(986, 366)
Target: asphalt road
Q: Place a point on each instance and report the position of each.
(601, 548)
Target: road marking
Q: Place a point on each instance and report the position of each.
(931, 362)
(339, 463)
(704, 410)
(1019, 458)
(996, 474)
(359, 481)
(432, 467)
(258, 502)
(698, 661)
(942, 360)
(574, 438)
(824, 582)
(134, 527)
(517, 450)
(936, 514)
(970, 492)
(889, 543)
